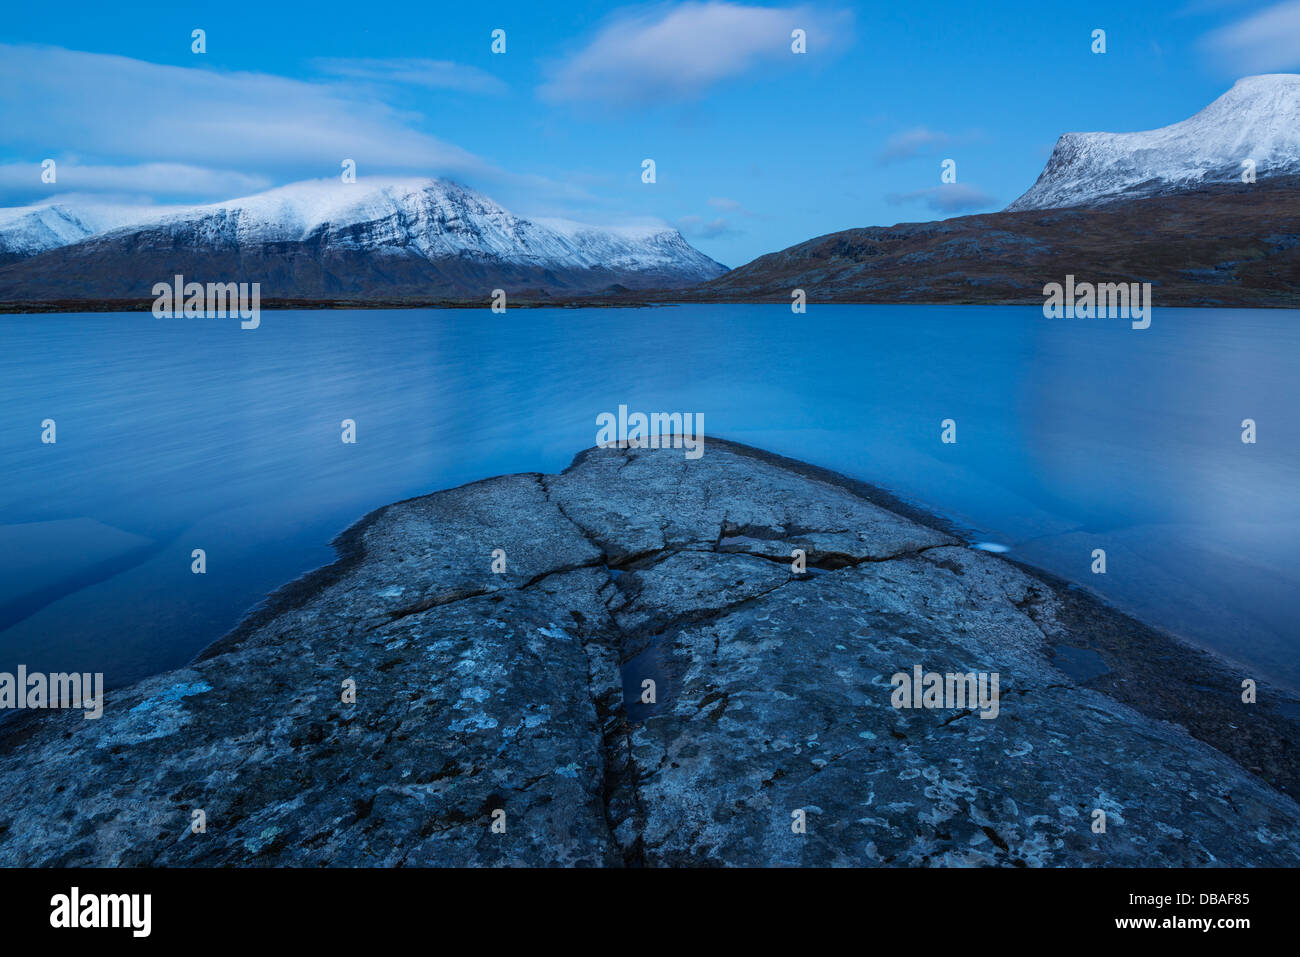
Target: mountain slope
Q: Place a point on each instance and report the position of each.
(1166, 207)
(1258, 119)
(1225, 245)
(28, 230)
(387, 239)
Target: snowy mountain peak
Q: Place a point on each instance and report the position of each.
(325, 238)
(300, 210)
(429, 218)
(28, 230)
(1258, 119)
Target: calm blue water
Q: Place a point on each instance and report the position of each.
(1072, 435)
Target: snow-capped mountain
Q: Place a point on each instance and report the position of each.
(1258, 119)
(28, 230)
(374, 238)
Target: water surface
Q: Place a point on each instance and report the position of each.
(1072, 435)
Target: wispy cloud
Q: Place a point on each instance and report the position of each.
(144, 179)
(699, 228)
(728, 205)
(678, 52)
(919, 141)
(432, 74)
(57, 100)
(117, 123)
(1265, 42)
(948, 198)
(1198, 8)
(162, 125)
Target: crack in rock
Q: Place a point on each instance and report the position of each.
(514, 700)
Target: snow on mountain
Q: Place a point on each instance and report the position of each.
(1258, 119)
(434, 219)
(28, 230)
(626, 247)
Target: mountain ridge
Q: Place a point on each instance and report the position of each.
(1191, 245)
(1257, 119)
(1166, 206)
(391, 237)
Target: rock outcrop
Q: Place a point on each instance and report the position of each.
(518, 699)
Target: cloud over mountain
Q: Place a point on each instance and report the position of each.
(1267, 41)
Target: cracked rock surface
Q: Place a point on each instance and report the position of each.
(516, 699)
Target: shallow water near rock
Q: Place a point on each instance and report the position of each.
(1081, 664)
(1071, 435)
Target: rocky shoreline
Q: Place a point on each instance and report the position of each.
(501, 717)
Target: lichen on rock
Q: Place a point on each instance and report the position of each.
(522, 692)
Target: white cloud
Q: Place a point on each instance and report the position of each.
(1265, 42)
(678, 52)
(434, 74)
(191, 133)
(207, 128)
(149, 179)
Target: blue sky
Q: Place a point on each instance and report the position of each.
(756, 148)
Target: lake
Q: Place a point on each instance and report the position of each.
(1071, 435)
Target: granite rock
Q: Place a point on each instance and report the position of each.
(518, 699)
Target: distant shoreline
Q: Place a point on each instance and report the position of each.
(72, 307)
(1222, 246)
